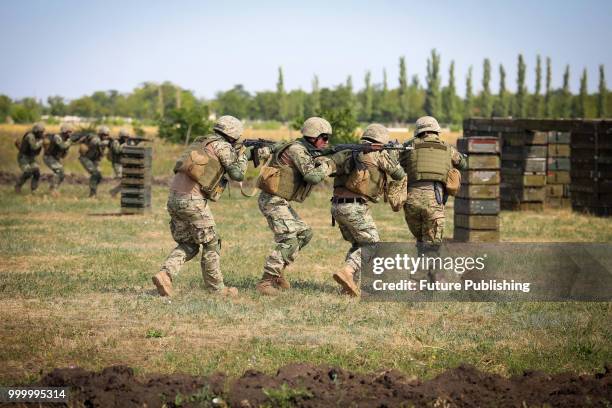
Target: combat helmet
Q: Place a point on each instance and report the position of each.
(66, 128)
(123, 132)
(229, 126)
(104, 130)
(427, 124)
(376, 133)
(315, 126)
(38, 128)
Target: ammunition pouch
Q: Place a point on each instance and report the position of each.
(396, 193)
(453, 182)
(283, 180)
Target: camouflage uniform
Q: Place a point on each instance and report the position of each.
(96, 144)
(291, 233)
(55, 153)
(352, 212)
(423, 213)
(115, 149)
(191, 220)
(30, 147)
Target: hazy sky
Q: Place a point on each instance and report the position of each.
(72, 48)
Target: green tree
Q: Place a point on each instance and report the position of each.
(548, 95)
(264, 105)
(468, 104)
(449, 97)
(182, 125)
(57, 105)
(315, 96)
(520, 106)
(235, 102)
(486, 103)
(403, 90)
(83, 107)
(432, 96)
(581, 101)
(416, 99)
(296, 100)
(565, 99)
(5, 108)
(282, 96)
(27, 110)
(602, 95)
(343, 124)
(368, 98)
(535, 109)
(501, 104)
(352, 102)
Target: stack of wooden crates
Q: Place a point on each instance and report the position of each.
(477, 203)
(558, 170)
(136, 179)
(524, 155)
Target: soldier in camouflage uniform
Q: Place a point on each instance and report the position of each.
(427, 167)
(56, 149)
(115, 149)
(298, 171)
(191, 220)
(350, 207)
(92, 151)
(30, 146)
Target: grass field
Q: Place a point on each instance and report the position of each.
(75, 289)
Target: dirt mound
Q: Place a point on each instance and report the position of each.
(305, 385)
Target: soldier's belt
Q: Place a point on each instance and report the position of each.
(343, 200)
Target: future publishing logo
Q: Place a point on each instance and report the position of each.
(459, 265)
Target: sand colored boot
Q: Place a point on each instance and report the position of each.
(228, 292)
(282, 283)
(345, 279)
(163, 283)
(268, 285)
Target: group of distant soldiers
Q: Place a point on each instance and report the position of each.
(55, 147)
(291, 170)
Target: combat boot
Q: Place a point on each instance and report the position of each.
(18, 189)
(268, 285)
(228, 292)
(92, 193)
(282, 283)
(163, 283)
(115, 190)
(345, 279)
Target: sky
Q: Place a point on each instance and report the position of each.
(72, 48)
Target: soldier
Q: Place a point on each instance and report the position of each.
(92, 151)
(29, 147)
(350, 207)
(289, 176)
(427, 167)
(56, 148)
(115, 149)
(201, 175)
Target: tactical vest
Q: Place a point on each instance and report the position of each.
(283, 180)
(92, 153)
(429, 161)
(364, 177)
(203, 167)
(53, 150)
(26, 150)
(113, 156)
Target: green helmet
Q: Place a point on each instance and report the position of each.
(66, 128)
(313, 127)
(38, 128)
(427, 124)
(123, 133)
(229, 126)
(376, 133)
(104, 130)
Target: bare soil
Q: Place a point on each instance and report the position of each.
(306, 385)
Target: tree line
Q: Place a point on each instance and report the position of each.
(372, 102)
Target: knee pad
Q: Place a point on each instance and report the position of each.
(190, 249)
(304, 237)
(288, 247)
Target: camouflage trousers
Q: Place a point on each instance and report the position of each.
(424, 216)
(58, 171)
(95, 177)
(192, 224)
(30, 169)
(357, 227)
(117, 169)
(291, 234)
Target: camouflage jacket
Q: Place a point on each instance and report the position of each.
(234, 162)
(301, 156)
(115, 149)
(96, 147)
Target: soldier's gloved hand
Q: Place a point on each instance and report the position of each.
(264, 154)
(327, 163)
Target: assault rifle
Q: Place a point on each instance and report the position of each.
(134, 140)
(257, 144)
(366, 147)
